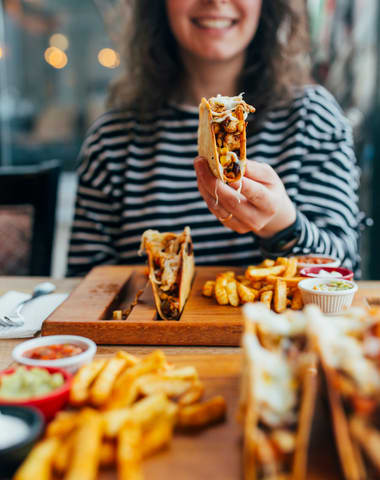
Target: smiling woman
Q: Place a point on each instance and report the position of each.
(271, 37)
(214, 33)
(298, 193)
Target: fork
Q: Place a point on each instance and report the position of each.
(15, 318)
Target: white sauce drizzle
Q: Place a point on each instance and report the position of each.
(216, 194)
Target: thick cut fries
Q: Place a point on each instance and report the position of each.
(273, 283)
(246, 294)
(107, 456)
(86, 447)
(266, 298)
(160, 433)
(80, 441)
(63, 424)
(173, 387)
(129, 452)
(143, 412)
(125, 391)
(103, 384)
(208, 288)
(221, 294)
(39, 461)
(79, 391)
(62, 455)
(192, 395)
(253, 273)
(279, 301)
(202, 414)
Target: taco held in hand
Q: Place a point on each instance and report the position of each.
(222, 135)
(171, 270)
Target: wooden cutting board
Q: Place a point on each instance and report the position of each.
(88, 311)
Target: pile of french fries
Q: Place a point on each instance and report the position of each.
(273, 282)
(125, 409)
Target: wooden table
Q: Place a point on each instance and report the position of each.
(221, 376)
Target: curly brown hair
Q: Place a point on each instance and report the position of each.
(276, 58)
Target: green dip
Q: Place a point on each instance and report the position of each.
(333, 286)
(25, 383)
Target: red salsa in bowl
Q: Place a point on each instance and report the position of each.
(314, 260)
(54, 352)
(66, 351)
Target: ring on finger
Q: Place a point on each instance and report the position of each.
(225, 219)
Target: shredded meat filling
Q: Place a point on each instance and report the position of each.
(228, 136)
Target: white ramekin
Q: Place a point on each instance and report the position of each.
(70, 364)
(328, 302)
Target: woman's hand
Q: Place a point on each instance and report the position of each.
(264, 206)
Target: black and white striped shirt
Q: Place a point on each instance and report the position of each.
(135, 175)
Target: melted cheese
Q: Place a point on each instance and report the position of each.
(229, 104)
(289, 323)
(341, 350)
(273, 383)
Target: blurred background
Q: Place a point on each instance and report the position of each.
(57, 58)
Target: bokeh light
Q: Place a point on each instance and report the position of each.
(1, 52)
(60, 41)
(108, 58)
(55, 57)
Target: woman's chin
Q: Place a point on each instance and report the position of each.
(216, 54)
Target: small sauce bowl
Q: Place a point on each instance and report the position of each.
(70, 364)
(330, 302)
(48, 404)
(13, 455)
(313, 272)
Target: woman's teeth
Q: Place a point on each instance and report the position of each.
(213, 23)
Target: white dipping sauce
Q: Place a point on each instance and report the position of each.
(12, 430)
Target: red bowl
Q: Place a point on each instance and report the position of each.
(48, 404)
(312, 272)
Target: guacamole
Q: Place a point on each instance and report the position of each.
(25, 383)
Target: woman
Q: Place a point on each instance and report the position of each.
(137, 163)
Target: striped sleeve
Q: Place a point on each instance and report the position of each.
(96, 219)
(328, 184)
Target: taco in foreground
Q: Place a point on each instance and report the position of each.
(278, 394)
(349, 350)
(171, 270)
(222, 135)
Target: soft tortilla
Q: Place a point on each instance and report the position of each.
(207, 146)
(305, 417)
(186, 272)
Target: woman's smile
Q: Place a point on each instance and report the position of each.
(211, 23)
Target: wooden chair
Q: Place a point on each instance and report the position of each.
(35, 188)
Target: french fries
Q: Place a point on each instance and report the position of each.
(127, 409)
(102, 387)
(128, 452)
(79, 391)
(200, 415)
(85, 450)
(272, 282)
(39, 461)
